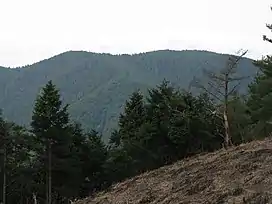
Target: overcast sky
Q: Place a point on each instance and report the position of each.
(32, 30)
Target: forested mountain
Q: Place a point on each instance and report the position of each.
(97, 85)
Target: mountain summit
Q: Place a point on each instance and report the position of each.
(97, 85)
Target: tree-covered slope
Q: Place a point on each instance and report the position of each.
(97, 85)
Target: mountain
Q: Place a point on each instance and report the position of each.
(97, 85)
(238, 175)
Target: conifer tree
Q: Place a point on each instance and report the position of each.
(128, 137)
(260, 98)
(49, 123)
(133, 117)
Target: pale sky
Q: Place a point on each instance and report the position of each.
(32, 30)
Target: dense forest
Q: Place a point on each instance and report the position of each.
(96, 86)
(55, 160)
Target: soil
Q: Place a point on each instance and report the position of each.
(241, 174)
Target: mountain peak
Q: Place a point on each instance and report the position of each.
(97, 85)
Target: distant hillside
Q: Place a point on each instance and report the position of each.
(240, 175)
(97, 85)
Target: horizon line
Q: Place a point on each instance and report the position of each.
(115, 54)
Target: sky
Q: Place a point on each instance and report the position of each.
(33, 30)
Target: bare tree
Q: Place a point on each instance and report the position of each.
(221, 86)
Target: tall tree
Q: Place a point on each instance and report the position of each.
(49, 123)
(133, 117)
(128, 135)
(193, 127)
(260, 96)
(19, 165)
(161, 102)
(221, 87)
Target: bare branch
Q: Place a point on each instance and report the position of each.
(209, 92)
(231, 79)
(220, 78)
(233, 89)
(232, 64)
(267, 39)
(217, 89)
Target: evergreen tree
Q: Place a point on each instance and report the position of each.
(193, 127)
(50, 123)
(92, 154)
(161, 103)
(16, 172)
(260, 96)
(129, 137)
(240, 120)
(20, 165)
(132, 119)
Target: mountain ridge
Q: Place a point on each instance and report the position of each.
(110, 54)
(97, 85)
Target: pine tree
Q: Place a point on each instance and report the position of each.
(161, 103)
(20, 169)
(260, 98)
(129, 137)
(49, 123)
(133, 117)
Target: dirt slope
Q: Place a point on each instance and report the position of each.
(241, 174)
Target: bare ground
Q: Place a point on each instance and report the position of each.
(241, 174)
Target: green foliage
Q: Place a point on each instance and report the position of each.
(260, 99)
(156, 127)
(240, 120)
(168, 126)
(97, 85)
(77, 158)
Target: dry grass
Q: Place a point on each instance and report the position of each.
(241, 174)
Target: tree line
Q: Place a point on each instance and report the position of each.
(56, 161)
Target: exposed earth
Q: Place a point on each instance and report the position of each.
(241, 174)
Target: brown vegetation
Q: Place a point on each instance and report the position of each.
(240, 174)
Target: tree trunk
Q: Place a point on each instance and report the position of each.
(34, 198)
(3, 166)
(4, 176)
(49, 176)
(225, 114)
(226, 126)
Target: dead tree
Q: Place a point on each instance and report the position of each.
(221, 86)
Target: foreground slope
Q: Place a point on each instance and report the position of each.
(241, 174)
(97, 85)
